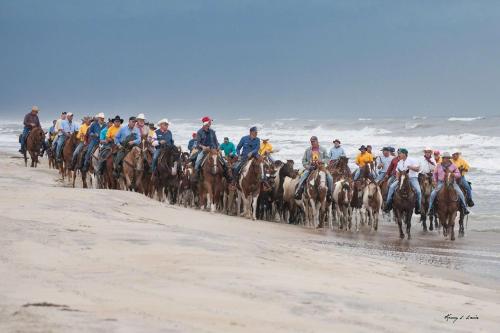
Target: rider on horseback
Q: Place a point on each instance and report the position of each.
(228, 147)
(192, 143)
(363, 158)
(463, 167)
(428, 163)
(206, 139)
(336, 151)
(383, 164)
(66, 130)
(109, 134)
(81, 136)
(313, 156)
(127, 137)
(437, 156)
(30, 121)
(93, 134)
(405, 163)
(247, 147)
(266, 149)
(161, 138)
(439, 179)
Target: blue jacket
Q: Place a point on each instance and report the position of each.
(124, 132)
(192, 143)
(95, 130)
(207, 138)
(159, 136)
(249, 145)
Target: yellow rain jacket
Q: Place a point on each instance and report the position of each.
(82, 132)
(265, 148)
(362, 159)
(462, 165)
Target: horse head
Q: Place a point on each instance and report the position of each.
(449, 178)
(404, 182)
(213, 162)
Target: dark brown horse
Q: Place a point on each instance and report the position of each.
(33, 146)
(167, 176)
(426, 186)
(447, 205)
(147, 184)
(78, 167)
(404, 203)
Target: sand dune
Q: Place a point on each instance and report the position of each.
(114, 261)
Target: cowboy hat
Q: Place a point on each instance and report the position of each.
(427, 149)
(100, 115)
(446, 155)
(385, 149)
(35, 108)
(140, 116)
(117, 118)
(336, 140)
(164, 120)
(266, 139)
(437, 152)
(456, 151)
(363, 147)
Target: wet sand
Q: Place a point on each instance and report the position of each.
(75, 260)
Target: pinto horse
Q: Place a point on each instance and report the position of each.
(133, 167)
(33, 145)
(448, 205)
(315, 200)
(404, 203)
(166, 178)
(372, 203)
(210, 184)
(339, 169)
(252, 173)
(342, 196)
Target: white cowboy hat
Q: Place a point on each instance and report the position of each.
(164, 120)
(34, 108)
(456, 151)
(428, 149)
(69, 114)
(141, 116)
(100, 115)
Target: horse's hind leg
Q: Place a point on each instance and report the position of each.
(423, 219)
(408, 224)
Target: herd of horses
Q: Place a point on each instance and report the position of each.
(264, 190)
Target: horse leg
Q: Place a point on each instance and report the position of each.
(408, 223)
(400, 225)
(74, 178)
(423, 218)
(255, 197)
(375, 220)
(451, 223)
(461, 231)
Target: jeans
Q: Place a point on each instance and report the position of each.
(466, 185)
(357, 173)
(380, 176)
(305, 174)
(88, 155)
(414, 184)
(439, 187)
(156, 154)
(199, 158)
(77, 151)
(24, 136)
(60, 142)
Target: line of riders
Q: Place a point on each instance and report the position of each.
(94, 132)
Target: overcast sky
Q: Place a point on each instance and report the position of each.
(251, 58)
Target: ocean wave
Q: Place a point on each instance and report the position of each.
(244, 119)
(419, 117)
(287, 119)
(413, 125)
(364, 119)
(465, 118)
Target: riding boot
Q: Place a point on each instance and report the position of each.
(388, 207)
(417, 210)
(298, 193)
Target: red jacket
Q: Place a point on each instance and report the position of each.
(391, 170)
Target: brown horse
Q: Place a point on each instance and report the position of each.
(133, 167)
(342, 196)
(185, 192)
(252, 173)
(447, 205)
(404, 203)
(106, 179)
(166, 178)
(147, 184)
(210, 183)
(33, 146)
(67, 154)
(314, 197)
(425, 181)
(339, 169)
(78, 167)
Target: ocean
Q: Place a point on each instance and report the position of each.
(476, 137)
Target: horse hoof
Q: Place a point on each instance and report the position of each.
(402, 236)
(461, 234)
(409, 237)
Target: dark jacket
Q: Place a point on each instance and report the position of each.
(248, 145)
(31, 118)
(206, 138)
